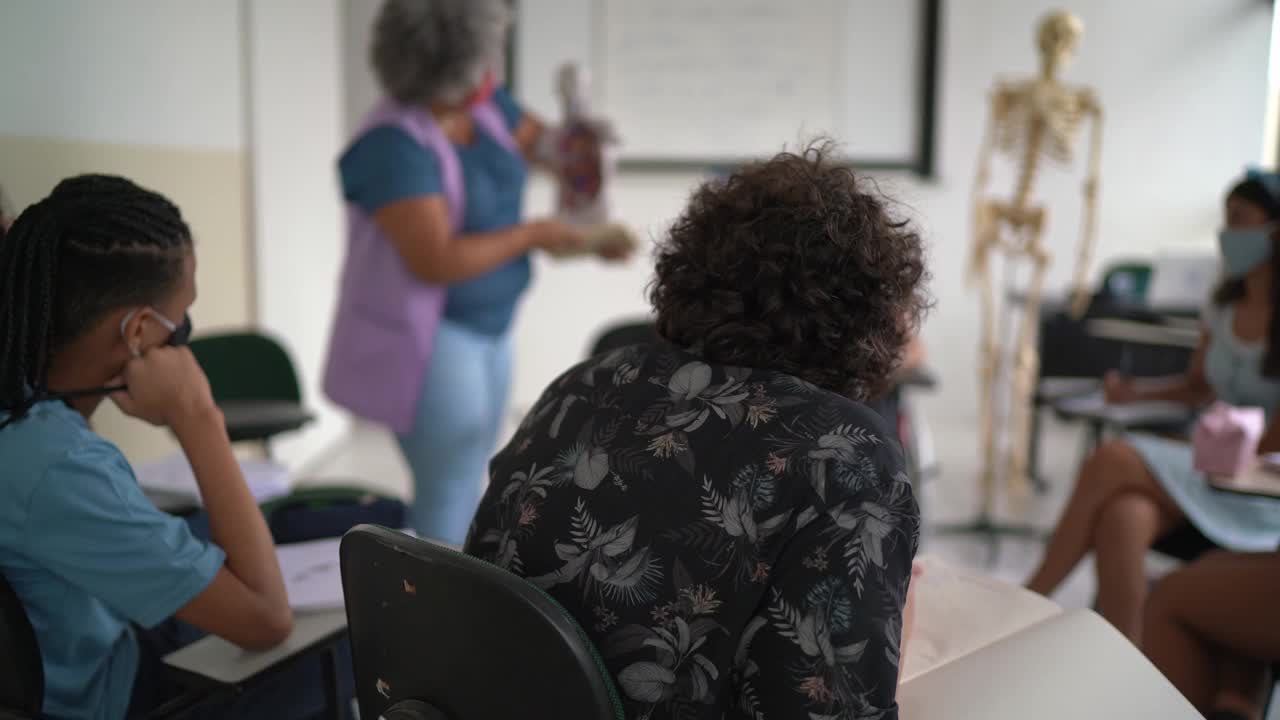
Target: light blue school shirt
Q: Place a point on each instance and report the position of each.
(385, 165)
(87, 554)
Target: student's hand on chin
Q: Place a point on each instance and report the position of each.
(165, 386)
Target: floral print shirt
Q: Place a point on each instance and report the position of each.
(736, 542)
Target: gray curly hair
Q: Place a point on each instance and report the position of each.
(427, 51)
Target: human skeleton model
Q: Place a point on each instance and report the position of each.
(1031, 121)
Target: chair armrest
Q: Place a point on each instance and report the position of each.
(259, 420)
(919, 377)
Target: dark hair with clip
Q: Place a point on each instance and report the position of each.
(96, 244)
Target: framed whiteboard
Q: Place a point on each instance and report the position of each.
(697, 83)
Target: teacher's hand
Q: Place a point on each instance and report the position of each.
(556, 237)
(615, 253)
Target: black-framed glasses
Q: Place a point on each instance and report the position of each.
(179, 333)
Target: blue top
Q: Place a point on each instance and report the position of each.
(1233, 367)
(88, 554)
(385, 165)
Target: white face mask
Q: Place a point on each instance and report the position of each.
(1244, 249)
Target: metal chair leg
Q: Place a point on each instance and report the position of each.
(333, 694)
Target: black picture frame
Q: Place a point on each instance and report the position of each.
(923, 162)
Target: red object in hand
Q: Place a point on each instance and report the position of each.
(483, 93)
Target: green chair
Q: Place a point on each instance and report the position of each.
(1126, 283)
(254, 383)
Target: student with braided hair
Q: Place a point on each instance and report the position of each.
(95, 283)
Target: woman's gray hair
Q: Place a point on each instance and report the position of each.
(427, 51)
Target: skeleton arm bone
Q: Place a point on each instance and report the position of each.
(981, 218)
(1088, 227)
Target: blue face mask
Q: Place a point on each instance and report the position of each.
(1244, 250)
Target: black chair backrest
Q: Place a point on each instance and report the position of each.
(626, 334)
(439, 635)
(21, 670)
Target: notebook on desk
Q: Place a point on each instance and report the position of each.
(1068, 666)
(1262, 480)
(313, 574)
(170, 481)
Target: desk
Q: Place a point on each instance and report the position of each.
(1094, 407)
(220, 668)
(1257, 481)
(1128, 331)
(221, 661)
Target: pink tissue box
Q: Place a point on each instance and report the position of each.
(1225, 442)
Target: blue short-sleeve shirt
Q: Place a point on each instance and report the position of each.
(385, 165)
(87, 554)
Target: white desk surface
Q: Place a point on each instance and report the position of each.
(1094, 405)
(223, 662)
(1144, 333)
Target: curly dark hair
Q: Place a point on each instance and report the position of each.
(794, 265)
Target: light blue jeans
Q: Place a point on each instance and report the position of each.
(459, 416)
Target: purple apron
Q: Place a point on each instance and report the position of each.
(384, 328)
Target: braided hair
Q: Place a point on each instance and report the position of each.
(96, 244)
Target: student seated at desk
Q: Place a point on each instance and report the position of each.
(730, 524)
(1134, 490)
(95, 284)
(1210, 627)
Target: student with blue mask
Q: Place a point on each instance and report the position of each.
(438, 253)
(1134, 490)
(95, 284)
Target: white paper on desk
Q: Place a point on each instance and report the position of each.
(1096, 405)
(312, 574)
(1067, 666)
(1180, 280)
(172, 476)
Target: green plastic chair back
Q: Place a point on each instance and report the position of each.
(1127, 283)
(247, 366)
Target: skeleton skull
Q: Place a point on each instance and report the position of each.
(1058, 37)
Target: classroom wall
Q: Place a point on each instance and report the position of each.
(295, 128)
(148, 89)
(1183, 85)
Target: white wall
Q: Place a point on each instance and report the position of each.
(295, 130)
(146, 72)
(233, 108)
(1183, 85)
(148, 89)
